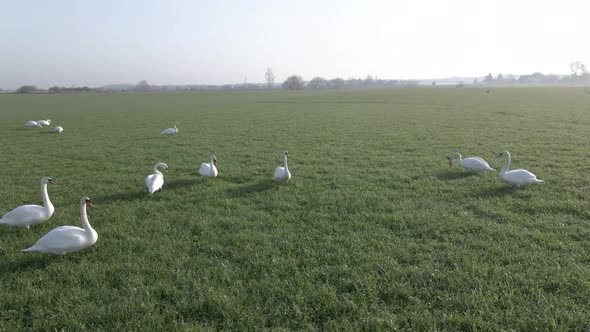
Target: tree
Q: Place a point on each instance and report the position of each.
(500, 77)
(489, 78)
(26, 89)
(369, 80)
(578, 68)
(142, 86)
(319, 83)
(337, 83)
(293, 83)
(269, 77)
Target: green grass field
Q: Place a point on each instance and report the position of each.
(373, 232)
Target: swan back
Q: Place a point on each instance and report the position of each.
(32, 124)
(209, 170)
(516, 177)
(474, 164)
(282, 174)
(68, 239)
(170, 131)
(59, 129)
(155, 181)
(29, 215)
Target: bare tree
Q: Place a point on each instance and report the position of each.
(269, 77)
(578, 68)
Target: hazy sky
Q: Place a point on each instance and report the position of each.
(77, 43)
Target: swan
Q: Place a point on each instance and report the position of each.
(474, 164)
(66, 239)
(208, 170)
(282, 174)
(28, 215)
(516, 177)
(58, 129)
(155, 181)
(170, 131)
(32, 123)
(44, 122)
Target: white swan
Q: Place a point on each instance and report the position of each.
(66, 239)
(208, 170)
(282, 174)
(44, 122)
(170, 131)
(474, 164)
(155, 181)
(516, 177)
(32, 123)
(28, 215)
(58, 129)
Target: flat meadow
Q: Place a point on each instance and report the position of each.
(374, 231)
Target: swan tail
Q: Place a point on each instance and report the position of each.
(29, 249)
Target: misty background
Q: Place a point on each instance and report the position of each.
(75, 43)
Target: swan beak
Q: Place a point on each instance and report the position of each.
(500, 155)
(215, 162)
(450, 162)
(89, 204)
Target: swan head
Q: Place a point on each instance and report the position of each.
(48, 120)
(504, 154)
(158, 165)
(455, 155)
(86, 200)
(213, 159)
(285, 153)
(46, 180)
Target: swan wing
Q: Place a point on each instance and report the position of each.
(475, 164)
(25, 215)
(279, 173)
(62, 240)
(205, 169)
(154, 182)
(520, 177)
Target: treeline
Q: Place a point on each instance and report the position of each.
(53, 89)
(296, 82)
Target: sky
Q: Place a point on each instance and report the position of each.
(95, 43)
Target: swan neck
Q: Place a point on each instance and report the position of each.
(84, 218)
(506, 164)
(46, 202)
(286, 167)
(156, 170)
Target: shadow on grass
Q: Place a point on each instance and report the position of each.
(25, 263)
(454, 175)
(126, 196)
(177, 184)
(252, 188)
(141, 138)
(497, 191)
(48, 132)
